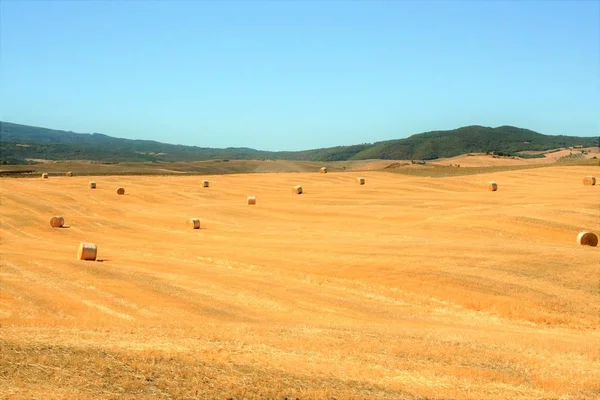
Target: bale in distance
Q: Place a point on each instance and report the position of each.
(360, 180)
(492, 186)
(57, 222)
(205, 183)
(69, 173)
(323, 170)
(587, 239)
(45, 175)
(297, 189)
(87, 251)
(92, 185)
(121, 191)
(194, 223)
(251, 200)
(589, 180)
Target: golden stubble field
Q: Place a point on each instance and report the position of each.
(405, 288)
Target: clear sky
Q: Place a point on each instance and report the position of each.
(291, 75)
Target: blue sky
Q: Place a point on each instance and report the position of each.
(291, 75)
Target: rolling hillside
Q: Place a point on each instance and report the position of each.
(21, 142)
(470, 139)
(405, 288)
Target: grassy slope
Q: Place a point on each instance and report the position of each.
(445, 171)
(404, 288)
(279, 166)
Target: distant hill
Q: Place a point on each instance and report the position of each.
(21, 142)
(470, 139)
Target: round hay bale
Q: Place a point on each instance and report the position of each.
(205, 183)
(587, 239)
(360, 180)
(57, 222)
(194, 223)
(323, 170)
(69, 173)
(492, 186)
(45, 175)
(589, 180)
(297, 189)
(121, 190)
(251, 200)
(87, 251)
(92, 185)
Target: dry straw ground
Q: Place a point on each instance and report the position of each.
(408, 287)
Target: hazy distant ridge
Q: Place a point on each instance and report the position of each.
(19, 142)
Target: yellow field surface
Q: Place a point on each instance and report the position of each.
(404, 288)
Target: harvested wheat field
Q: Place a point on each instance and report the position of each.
(405, 288)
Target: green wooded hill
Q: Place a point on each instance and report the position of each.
(21, 142)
